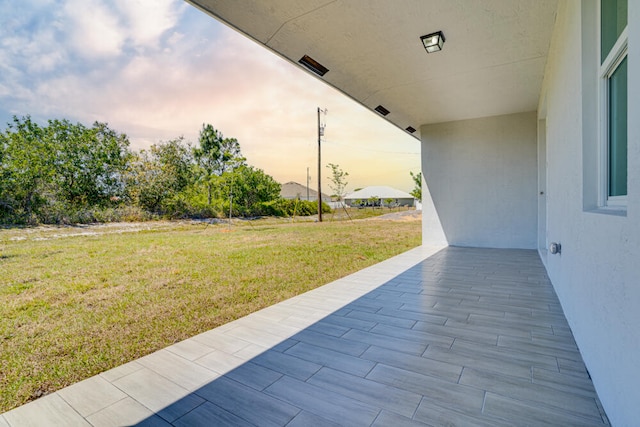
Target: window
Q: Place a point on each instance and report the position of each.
(613, 104)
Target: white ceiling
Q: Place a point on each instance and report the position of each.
(492, 62)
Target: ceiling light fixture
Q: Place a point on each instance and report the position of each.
(313, 65)
(433, 42)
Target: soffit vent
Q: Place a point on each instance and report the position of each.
(410, 129)
(313, 65)
(380, 109)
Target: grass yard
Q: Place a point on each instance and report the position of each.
(75, 301)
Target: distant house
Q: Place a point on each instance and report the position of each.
(292, 190)
(385, 196)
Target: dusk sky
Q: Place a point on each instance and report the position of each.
(159, 69)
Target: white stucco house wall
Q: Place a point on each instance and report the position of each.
(522, 120)
(383, 193)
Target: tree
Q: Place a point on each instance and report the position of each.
(48, 172)
(388, 202)
(176, 163)
(5, 206)
(417, 189)
(66, 172)
(250, 187)
(215, 156)
(160, 173)
(374, 201)
(338, 180)
(89, 162)
(26, 169)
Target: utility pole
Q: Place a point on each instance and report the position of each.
(320, 134)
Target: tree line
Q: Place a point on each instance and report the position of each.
(63, 172)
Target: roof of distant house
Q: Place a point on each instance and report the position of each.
(292, 190)
(380, 191)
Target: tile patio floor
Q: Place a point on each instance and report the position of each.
(435, 336)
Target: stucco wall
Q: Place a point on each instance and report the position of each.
(482, 178)
(597, 276)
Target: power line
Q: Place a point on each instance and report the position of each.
(368, 149)
(417, 168)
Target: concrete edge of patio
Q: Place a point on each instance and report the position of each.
(99, 401)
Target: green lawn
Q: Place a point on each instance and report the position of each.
(73, 305)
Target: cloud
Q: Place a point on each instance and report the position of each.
(98, 29)
(94, 30)
(28, 44)
(147, 20)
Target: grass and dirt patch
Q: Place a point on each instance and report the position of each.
(76, 301)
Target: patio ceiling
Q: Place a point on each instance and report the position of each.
(492, 62)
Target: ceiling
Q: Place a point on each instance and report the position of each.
(492, 62)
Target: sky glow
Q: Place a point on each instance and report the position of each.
(159, 69)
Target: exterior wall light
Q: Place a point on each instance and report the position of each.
(433, 42)
(555, 248)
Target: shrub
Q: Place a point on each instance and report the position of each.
(287, 207)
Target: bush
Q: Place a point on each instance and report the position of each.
(18, 217)
(60, 213)
(181, 207)
(287, 207)
(128, 213)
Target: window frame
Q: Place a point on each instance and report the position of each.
(606, 68)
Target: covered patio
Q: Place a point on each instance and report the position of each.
(435, 336)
